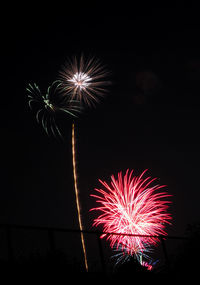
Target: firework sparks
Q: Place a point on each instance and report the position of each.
(124, 254)
(77, 196)
(132, 206)
(80, 82)
(84, 80)
(48, 105)
(149, 264)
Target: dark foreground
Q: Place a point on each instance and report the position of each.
(54, 268)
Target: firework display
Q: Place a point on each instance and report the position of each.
(134, 211)
(84, 80)
(49, 104)
(80, 84)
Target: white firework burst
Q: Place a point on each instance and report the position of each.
(84, 80)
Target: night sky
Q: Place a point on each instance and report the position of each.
(149, 119)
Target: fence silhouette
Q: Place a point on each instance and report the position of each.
(52, 245)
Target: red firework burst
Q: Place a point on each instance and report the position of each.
(132, 205)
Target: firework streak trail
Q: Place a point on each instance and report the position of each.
(77, 197)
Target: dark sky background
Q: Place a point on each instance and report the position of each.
(149, 120)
